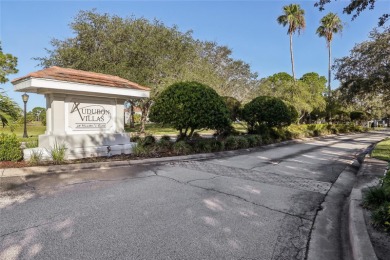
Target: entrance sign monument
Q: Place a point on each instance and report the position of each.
(84, 111)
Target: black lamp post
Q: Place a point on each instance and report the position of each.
(25, 99)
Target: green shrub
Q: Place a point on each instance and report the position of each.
(234, 107)
(164, 145)
(166, 138)
(141, 151)
(148, 140)
(252, 140)
(181, 147)
(57, 153)
(10, 148)
(36, 157)
(201, 146)
(231, 143)
(278, 133)
(375, 197)
(135, 138)
(386, 180)
(269, 111)
(381, 217)
(32, 144)
(259, 140)
(188, 106)
(263, 131)
(217, 146)
(242, 142)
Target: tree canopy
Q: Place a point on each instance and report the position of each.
(330, 24)
(367, 69)
(294, 17)
(8, 108)
(305, 94)
(7, 64)
(355, 8)
(149, 53)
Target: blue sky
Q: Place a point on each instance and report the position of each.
(249, 28)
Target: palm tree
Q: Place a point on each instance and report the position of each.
(330, 24)
(293, 17)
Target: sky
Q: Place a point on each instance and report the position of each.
(249, 28)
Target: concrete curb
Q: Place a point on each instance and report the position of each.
(20, 172)
(359, 239)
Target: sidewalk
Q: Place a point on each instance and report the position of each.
(363, 239)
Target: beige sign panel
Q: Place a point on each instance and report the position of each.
(90, 117)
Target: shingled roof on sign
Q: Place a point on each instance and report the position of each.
(80, 76)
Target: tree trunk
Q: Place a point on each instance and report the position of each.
(132, 116)
(329, 78)
(329, 68)
(143, 121)
(145, 106)
(292, 57)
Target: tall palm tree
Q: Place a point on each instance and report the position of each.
(293, 17)
(330, 24)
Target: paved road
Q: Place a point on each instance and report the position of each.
(257, 205)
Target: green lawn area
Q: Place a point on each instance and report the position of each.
(33, 130)
(382, 150)
(158, 129)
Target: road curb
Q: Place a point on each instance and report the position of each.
(359, 239)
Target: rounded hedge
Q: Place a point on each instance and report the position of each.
(188, 106)
(269, 111)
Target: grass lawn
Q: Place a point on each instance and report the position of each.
(33, 130)
(382, 150)
(158, 129)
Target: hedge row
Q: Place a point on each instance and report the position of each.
(150, 147)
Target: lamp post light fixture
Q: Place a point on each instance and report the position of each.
(25, 99)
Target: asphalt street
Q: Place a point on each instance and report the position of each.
(253, 205)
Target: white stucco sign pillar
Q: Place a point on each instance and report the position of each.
(84, 110)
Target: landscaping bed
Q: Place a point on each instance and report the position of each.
(166, 146)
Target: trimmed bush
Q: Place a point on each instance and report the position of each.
(231, 143)
(9, 148)
(188, 106)
(201, 146)
(217, 146)
(148, 140)
(166, 138)
(252, 140)
(181, 147)
(269, 111)
(163, 145)
(242, 142)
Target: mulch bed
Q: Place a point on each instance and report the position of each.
(121, 157)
